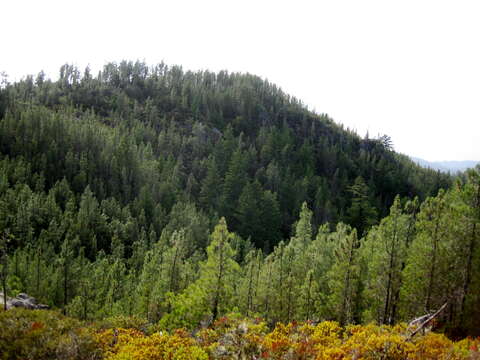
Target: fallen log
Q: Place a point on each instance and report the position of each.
(424, 321)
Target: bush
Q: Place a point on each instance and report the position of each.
(130, 344)
(41, 334)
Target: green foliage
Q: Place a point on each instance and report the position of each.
(344, 276)
(219, 272)
(384, 254)
(213, 140)
(111, 187)
(361, 213)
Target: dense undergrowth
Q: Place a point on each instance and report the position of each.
(48, 335)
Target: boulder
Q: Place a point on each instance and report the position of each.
(24, 301)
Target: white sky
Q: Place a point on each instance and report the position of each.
(409, 69)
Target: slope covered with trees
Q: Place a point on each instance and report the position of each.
(180, 196)
(231, 144)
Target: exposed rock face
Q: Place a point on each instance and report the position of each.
(24, 301)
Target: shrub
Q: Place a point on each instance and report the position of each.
(131, 344)
(41, 334)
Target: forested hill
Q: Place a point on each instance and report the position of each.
(152, 192)
(137, 150)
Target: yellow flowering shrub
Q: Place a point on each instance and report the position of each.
(279, 342)
(131, 344)
(110, 340)
(466, 348)
(49, 335)
(433, 346)
(328, 341)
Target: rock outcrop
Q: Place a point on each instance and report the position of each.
(22, 300)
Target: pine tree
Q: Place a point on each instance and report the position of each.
(384, 251)
(470, 299)
(210, 186)
(361, 214)
(217, 274)
(427, 265)
(249, 299)
(214, 292)
(316, 283)
(66, 258)
(235, 180)
(344, 276)
(4, 267)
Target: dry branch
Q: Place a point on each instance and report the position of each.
(429, 318)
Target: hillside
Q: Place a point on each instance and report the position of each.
(162, 139)
(446, 166)
(179, 197)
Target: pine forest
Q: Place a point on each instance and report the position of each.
(168, 214)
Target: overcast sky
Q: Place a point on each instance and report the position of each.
(409, 69)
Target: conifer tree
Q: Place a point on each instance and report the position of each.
(316, 283)
(217, 274)
(248, 293)
(344, 275)
(213, 293)
(209, 190)
(470, 298)
(384, 251)
(361, 214)
(148, 281)
(427, 265)
(4, 267)
(66, 258)
(235, 180)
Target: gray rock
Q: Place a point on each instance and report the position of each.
(25, 297)
(24, 301)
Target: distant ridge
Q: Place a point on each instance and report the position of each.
(446, 166)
